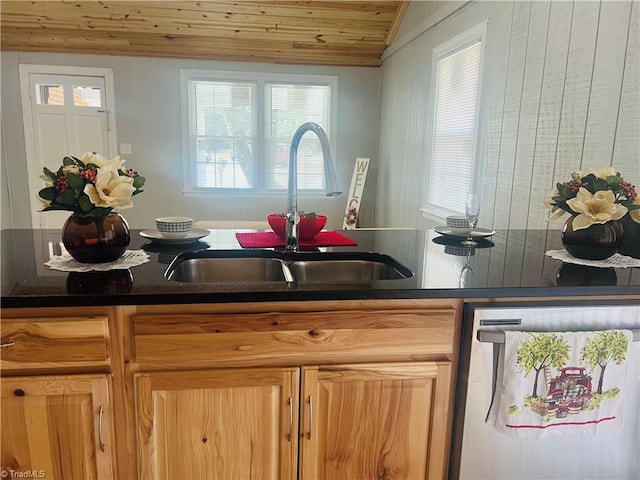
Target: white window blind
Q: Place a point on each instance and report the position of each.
(288, 107)
(241, 125)
(453, 139)
(224, 134)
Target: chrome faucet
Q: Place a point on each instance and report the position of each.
(332, 183)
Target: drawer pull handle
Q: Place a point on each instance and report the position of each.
(100, 415)
(310, 418)
(18, 392)
(7, 344)
(290, 419)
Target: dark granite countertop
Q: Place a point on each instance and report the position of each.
(508, 264)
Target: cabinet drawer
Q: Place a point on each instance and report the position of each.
(293, 338)
(40, 343)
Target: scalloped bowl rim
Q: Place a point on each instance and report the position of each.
(321, 221)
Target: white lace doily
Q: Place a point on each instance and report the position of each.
(615, 261)
(67, 263)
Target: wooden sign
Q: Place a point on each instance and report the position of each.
(355, 193)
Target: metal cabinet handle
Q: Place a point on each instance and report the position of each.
(310, 418)
(7, 344)
(290, 402)
(100, 415)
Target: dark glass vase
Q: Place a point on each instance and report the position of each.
(96, 240)
(597, 242)
(631, 238)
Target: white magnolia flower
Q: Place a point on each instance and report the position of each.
(597, 208)
(111, 190)
(603, 173)
(95, 158)
(102, 163)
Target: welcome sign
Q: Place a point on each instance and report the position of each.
(355, 193)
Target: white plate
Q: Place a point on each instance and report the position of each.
(194, 235)
(477, 233)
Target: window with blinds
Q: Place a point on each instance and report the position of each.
(224, 134)
(452, 160)
(288, 107)
(240, 130)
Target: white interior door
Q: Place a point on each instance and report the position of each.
(64, 114)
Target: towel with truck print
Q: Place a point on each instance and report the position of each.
(560, 383)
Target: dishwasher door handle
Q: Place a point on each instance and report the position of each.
(497, 336)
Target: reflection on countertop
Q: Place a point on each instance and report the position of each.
(109, 282)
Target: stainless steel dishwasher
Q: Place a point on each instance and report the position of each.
(479, 451)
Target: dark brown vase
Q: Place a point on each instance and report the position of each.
(597, 242)
(91, 240)
(631, 238)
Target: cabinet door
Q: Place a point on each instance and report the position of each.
(57, 427)
(218, 424)
(377, 421)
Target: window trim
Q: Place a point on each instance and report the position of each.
(260, 79)
(448, 48)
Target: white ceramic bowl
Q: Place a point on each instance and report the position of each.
(458, 224)
(174, 227)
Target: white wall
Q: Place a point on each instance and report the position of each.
(15, 193)
(148, 117)
(561, 93)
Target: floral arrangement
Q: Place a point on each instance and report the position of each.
(351, 217)
(594, 196)
(91, 186)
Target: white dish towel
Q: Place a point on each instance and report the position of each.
(560, 383)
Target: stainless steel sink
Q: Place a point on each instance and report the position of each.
(227, 267)
(254, 266)
(351, 267)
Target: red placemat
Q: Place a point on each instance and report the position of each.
(270, 239)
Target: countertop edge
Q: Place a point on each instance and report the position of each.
(310, 295)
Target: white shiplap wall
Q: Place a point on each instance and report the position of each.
(561, 93)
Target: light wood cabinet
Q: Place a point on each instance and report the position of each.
(375, 421)
(57, 427)
(196, 338)
(70, 342)
(291, 390)
(218, 424)
(57, 411)
(359, 421)
(221, 391)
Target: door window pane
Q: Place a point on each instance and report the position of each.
(49, 94)
(87, 97)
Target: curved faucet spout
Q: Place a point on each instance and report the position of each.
(332, 183)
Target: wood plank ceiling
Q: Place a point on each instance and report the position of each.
(339, 32)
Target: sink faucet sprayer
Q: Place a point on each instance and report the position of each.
(332, 183)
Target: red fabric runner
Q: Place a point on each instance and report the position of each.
(270, 239)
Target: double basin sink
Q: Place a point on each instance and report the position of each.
(253, 266)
